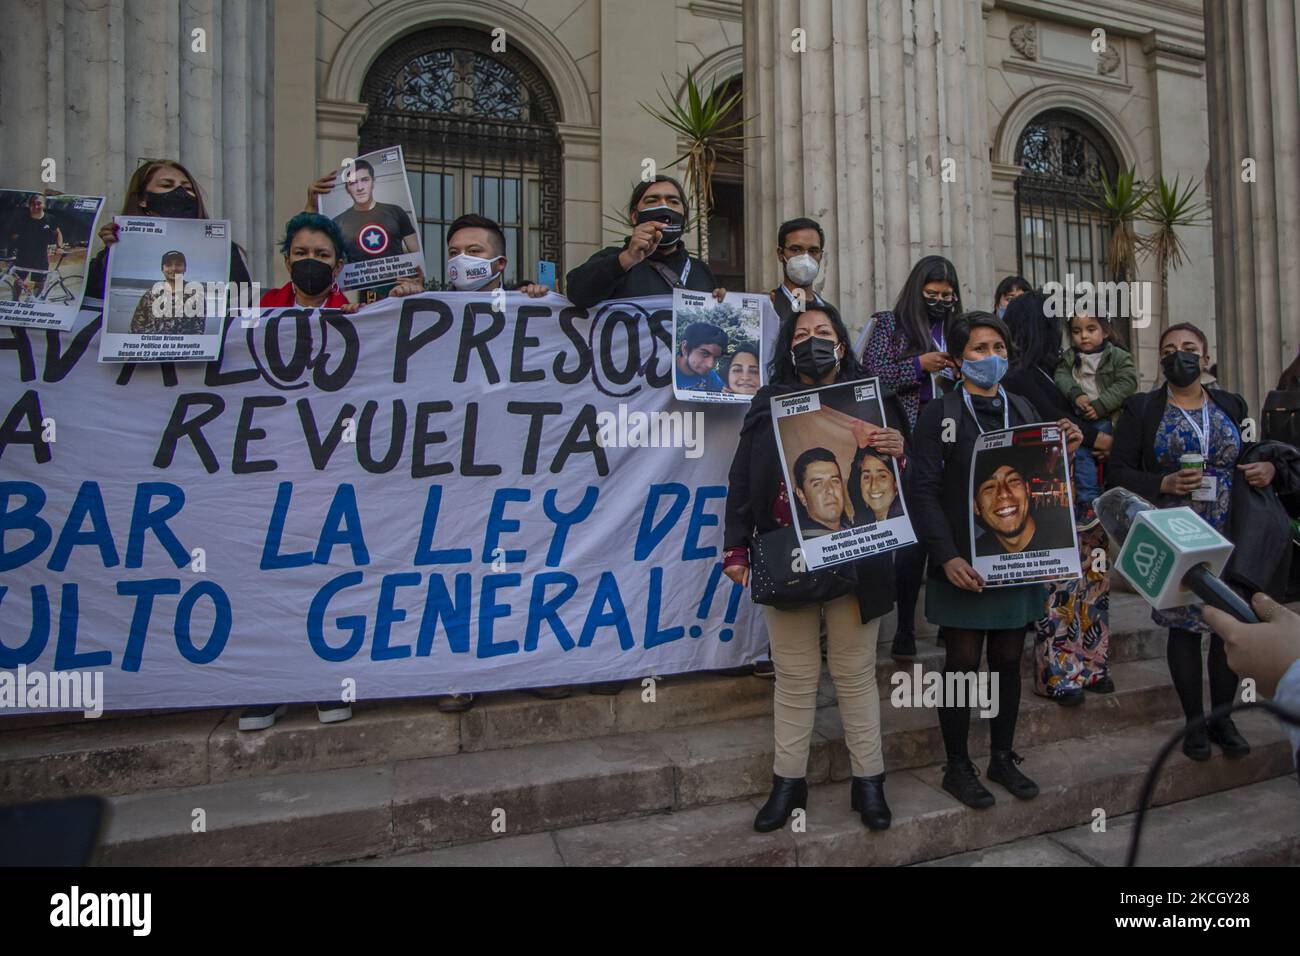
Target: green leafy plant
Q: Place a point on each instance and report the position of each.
(702, 122)
(1169, 207)
(1120, 203)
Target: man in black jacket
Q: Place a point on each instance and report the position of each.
(653, 260)
(800, 245)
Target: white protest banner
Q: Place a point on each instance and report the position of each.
(44, 246)
(371, 203)
(717, 346)
(425, 497)
(847, 497)
(166, 290)
(1022, 507)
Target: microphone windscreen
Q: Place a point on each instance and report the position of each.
(1117, 509)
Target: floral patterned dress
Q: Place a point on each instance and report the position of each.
(1176, 436)
(1072, 641)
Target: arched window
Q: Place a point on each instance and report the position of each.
(1058, 231)
(478, 132)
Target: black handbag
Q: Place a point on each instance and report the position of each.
(778, 576)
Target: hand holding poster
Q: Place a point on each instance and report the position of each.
(43, 246)
(824, 434)
(166, 290)
(371, 204)
(717, 347)
(1022, 509)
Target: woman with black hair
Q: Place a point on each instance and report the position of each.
(813, 349)
(969, 617)
(1072, 637)
(1233, 491)
(873, 491)
(742, 376)
(1009, 288)
(653, 260)
(906, 351)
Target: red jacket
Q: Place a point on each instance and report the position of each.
(283, 298)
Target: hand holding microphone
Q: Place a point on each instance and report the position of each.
(1263, 651)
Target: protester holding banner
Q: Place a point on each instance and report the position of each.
(813, 349)
(905, 350)
(1072, 638)
(800, 245)
(968, 616)
(159, 187)
(476, 260)
(313, 255)
(651, 261)
(1182, 444)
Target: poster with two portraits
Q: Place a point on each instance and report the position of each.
(845, 497)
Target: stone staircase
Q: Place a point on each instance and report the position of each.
(623, 781)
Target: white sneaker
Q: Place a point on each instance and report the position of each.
(332, 713)
(260, 718)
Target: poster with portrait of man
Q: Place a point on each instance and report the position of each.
(717, 346)
(1022, 507)
(166, 290)
(43, 245)
(846, 497)
(371, 204)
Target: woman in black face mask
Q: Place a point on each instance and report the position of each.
(1181, 444)
(164, 188)
(812, 349)
(313, 256)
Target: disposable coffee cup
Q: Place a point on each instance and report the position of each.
(1192, 461)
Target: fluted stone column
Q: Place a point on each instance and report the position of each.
(1254, 99)
(854, 133)
(99, 85)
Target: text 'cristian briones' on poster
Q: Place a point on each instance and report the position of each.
(1022, 508)
(44, 245)
(371, 204)
(823, 435)
(166, 290)
(717, 350)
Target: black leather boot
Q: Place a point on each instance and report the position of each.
(1225, 734)
(961, 779)
(867, 797)
(788, 794)
(1002, 769)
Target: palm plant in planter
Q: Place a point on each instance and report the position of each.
(703, 123)
(1169, 207)
(1120, 203)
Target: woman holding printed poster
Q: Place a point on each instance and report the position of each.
(968, 616)
(813, 349)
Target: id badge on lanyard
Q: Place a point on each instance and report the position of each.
(1209, 489)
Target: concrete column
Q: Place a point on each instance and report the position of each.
(98, 86)
(854, 133)
(1254, 104)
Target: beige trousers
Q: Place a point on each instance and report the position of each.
(851, 654)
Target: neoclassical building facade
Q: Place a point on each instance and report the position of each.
(972, 128)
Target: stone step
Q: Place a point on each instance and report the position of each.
(1076, 777)
(191, 748)
(1203, 831)
(457, 798)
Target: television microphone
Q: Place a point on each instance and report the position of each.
(1167, 552)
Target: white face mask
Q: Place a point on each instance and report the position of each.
(802, 269)
(469, 273)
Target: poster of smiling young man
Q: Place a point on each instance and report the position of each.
(43, 244)
(371, 203)
(846, 495)
(165, 291)
(1022, 507)
(717, 355)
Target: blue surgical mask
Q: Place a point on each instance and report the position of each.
(985, 372)
(1002, 311)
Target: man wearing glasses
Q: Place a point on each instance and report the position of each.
(799, 248)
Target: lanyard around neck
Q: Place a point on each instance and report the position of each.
(1203, 429)
(1006, 409)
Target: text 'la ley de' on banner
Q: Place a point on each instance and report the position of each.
(425, 497)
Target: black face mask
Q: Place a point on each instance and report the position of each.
(939, 309)
(311, 276)
(815, 357)
(1181, 368)
(673, 223)
(177, 204)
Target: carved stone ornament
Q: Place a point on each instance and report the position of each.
(1108, 61)
(1024, 37)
